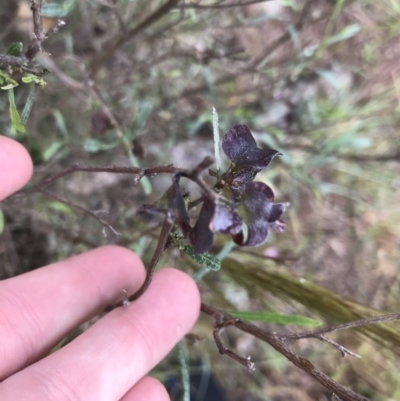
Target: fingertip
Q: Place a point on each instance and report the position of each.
(174, 297)
(15, 166)
(186, 286)
(147, 389)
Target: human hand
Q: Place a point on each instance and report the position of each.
(109, 361)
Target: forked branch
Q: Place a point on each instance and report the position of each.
(278, 341)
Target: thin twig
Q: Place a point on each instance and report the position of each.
(162, 241)
(347, 156)
(193, 175)
(218, 6)
(83, 209)
(344, 351)
(58, 25)
(97, 169)
(356, 323)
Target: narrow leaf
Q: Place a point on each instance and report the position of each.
(1, 221)
(344, 34)
(204, 259)
(94, 145)
(216, 138)
(61, 207)
(16, 125)
(276, 318)
(52, 150)
(28, 105)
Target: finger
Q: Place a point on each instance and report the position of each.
(39, 308)
(15, 166)
(116, 352)
(147, 389)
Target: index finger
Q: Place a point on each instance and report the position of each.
(15, 166)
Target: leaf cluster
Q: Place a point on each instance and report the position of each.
(237, 205)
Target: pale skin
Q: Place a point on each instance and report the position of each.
(110, 360)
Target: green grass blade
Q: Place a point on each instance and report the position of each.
(275, 318)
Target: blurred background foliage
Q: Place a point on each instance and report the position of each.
(134, 83)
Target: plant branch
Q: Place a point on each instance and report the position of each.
(218, 328)
(275, 340)
(20, 63)
(193, 175)
(35, 46)
(98, 169)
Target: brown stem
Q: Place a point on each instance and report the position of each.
(138, 171)
(35, 46)
(165, 230)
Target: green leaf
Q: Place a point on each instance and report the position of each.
(9, 86)
(55, 10)
(276, 318)
(204, 259)
(140, 121)
(61, 207)
(60, 122)
(344, 34)
(28, 78)
(16, 125)
(1, 222)
(6, 79)
(94, 145)
(15, 49)
(144, 112)
(52, 150)
(28, 105)
(395, 5)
